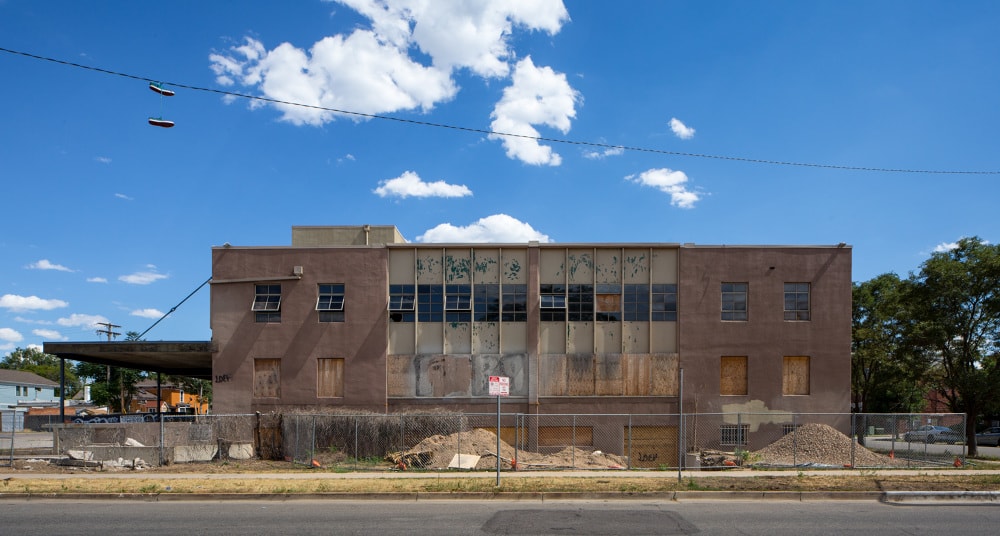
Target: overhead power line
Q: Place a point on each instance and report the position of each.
(504, 134)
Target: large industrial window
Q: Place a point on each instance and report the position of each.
(734, 301)
(267, 378)
(514, 303)
(734, 434)
(664, 299)
(430, 303)
(330, 377)
(267, 303)
(330, 303)
(635, 302)
(608, 302)
(796, 301)
(401, 303)
(486, 302)
(733, 380)
(458, 303)
(795, 376)
(553, 302)
(580, 303)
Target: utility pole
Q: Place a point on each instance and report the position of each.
(108, 330)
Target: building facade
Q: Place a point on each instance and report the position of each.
(357, 318)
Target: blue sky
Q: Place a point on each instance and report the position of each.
(109, 219)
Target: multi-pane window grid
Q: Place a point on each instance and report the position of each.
(580, 303)
(734, 301)
(553, 302)
(267, 303)
(402, 299)
(330, 303)
(489, 302)
(734, 434)
(664, 298)
(796, 301)
(514, 303)
(609, 306)
(458, 303)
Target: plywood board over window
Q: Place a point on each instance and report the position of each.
(330, 377)
(267, 378)
(795, 375)
(733, 380)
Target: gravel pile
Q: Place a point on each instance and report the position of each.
(818, 444)
(436, 452)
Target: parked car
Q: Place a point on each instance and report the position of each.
(989, 437)
(932, 434)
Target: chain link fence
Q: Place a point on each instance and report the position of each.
(442, 440)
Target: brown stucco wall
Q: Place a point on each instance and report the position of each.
(299, 339)
(766, 338)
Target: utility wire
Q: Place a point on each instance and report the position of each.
(174, 308)
(504, 134)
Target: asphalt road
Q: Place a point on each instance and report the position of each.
(494, 517)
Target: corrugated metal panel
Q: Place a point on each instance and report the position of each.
(580, 266)
(458, 266)
(401, 338)
(609, 266)
(552, 337)
(430, 338)
(580, 337)
(401, 266)
(515, 266)
(457, 338)
(486, 266)
(514, 337)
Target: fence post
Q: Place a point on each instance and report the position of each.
(629, 440)
(795, 440)
(854, 436)
(573, 458)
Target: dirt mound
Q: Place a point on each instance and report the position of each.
(437, 452)
(818, 444)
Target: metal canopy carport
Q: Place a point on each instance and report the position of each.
(179, 358)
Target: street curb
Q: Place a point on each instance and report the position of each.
(942, 496)
(672, 496)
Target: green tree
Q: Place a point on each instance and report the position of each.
(955, 302)
(114, 387)
(886, 370)
(38, 362)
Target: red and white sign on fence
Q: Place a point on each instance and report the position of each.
(499, 386)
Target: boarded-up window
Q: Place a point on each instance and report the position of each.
(733, 380)
(330, 377)
(267, 378)
(795, 376)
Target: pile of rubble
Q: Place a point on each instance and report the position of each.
(477, 449)
(819, 445)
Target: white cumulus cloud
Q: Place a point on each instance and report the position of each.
(10, 335)
(125, 197)
(49, 334)
(44, 264)
(498, 228)
(80, 320)
(96, 280)
(600, 155)
(141, 278)
(945, 247)
(147, 313)
(382, 67)
(103, 159)
(409, 184)
(537, 96)
(681, 130)
(670, 182)
(14, 302)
